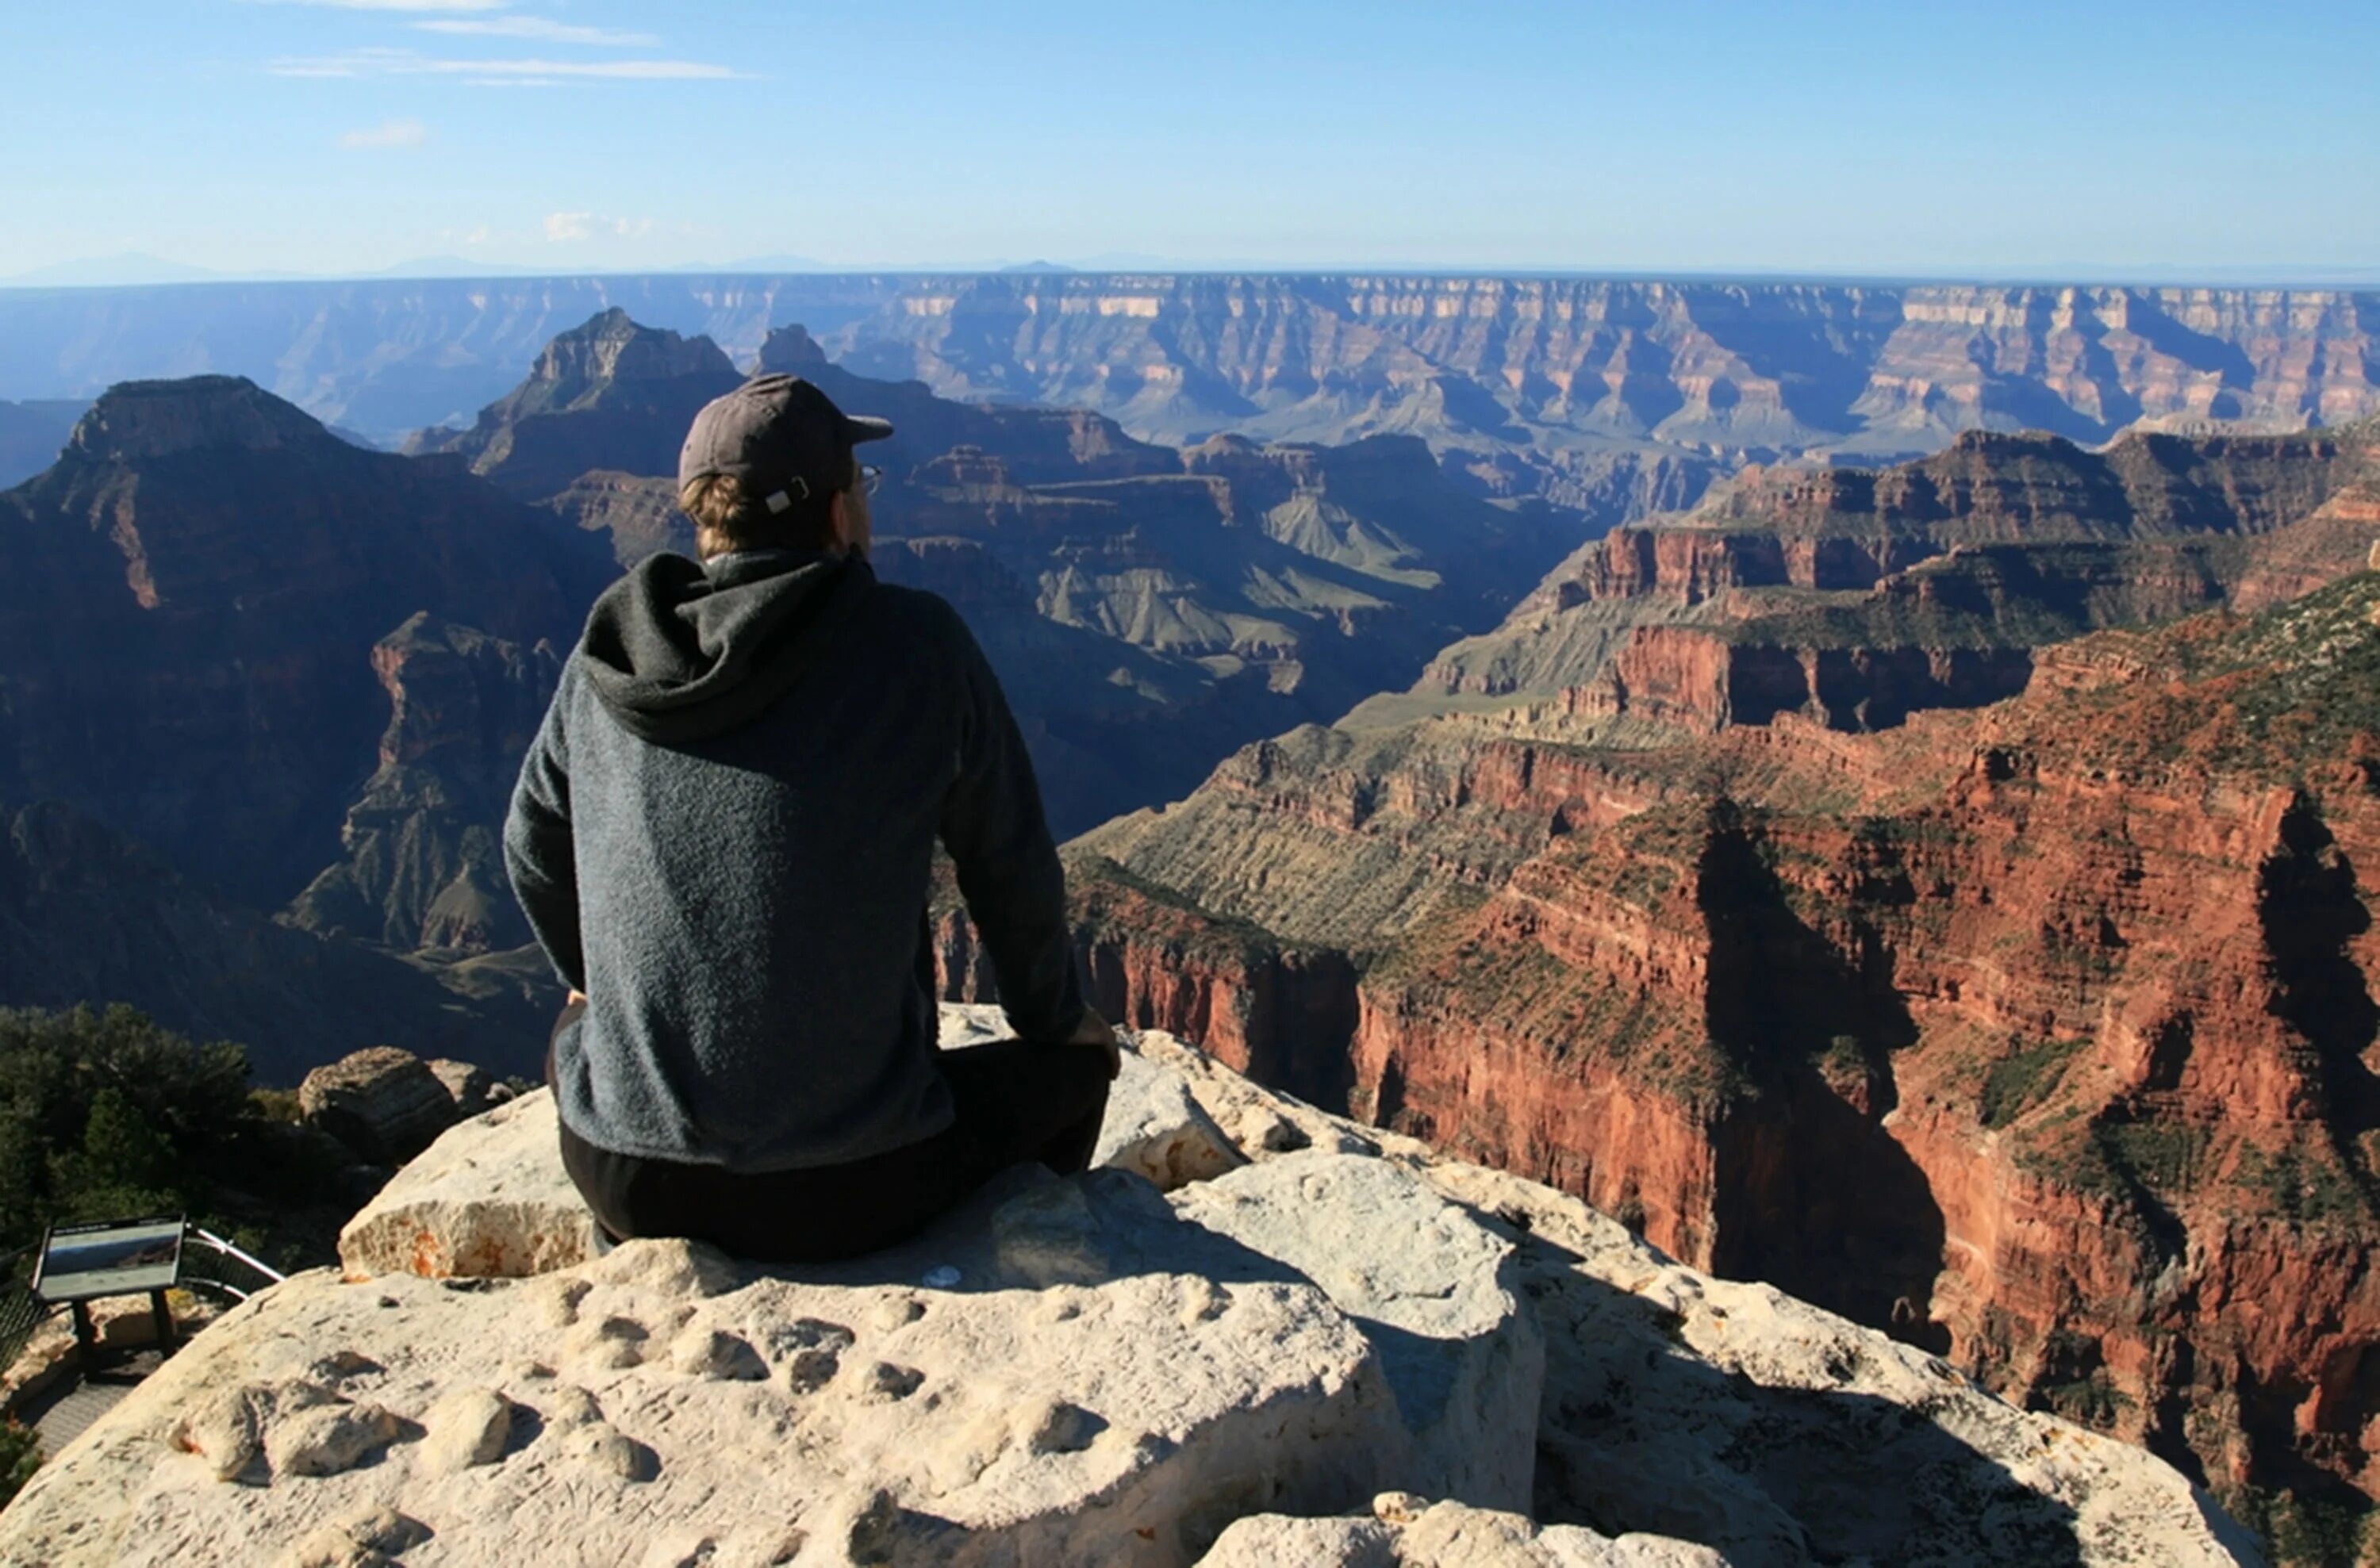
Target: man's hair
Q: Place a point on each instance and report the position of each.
(726, 518)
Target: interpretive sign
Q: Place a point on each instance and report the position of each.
(120, 1257)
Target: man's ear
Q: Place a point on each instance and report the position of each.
(838, 521)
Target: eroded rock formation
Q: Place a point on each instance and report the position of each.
(1149, 608)
(423, 866)
(87, 916)
(189, 601)
(1858, 596)
(1564, 374)
(609, 396)
(383, 1102)
(2043, 1035)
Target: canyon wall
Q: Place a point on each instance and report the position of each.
(1858, 597)
(1731, 369)
(2044, 1036)
(189, 600)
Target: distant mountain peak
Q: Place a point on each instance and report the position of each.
(609, 394)
(791, 350)
(611, 347)
(144, 419)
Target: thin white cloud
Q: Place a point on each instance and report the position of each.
(394, 4)
(388, 134)
(543, 29)
(638, 70)
(568, 228)
(405, 61)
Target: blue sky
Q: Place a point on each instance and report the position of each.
(344, 135)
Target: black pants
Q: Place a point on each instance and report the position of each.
(1015, 1101)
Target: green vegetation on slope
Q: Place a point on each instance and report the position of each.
(2280, 697)
(20, 1455)
(107, 1116)
(2024, 1079)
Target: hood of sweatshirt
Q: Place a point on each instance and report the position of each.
(679, 651)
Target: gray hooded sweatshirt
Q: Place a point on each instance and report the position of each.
(723, 834)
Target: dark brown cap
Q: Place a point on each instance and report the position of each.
(781, 436)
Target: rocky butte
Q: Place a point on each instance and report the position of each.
(189, 599)
(1253, 1334)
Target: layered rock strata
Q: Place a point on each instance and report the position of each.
(88, 916)
(2043, 1036)
(423, 865)
(1086, 1371)
(1857, 597)
(1496, 365)
(609, 395)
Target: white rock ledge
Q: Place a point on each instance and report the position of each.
(1102, 1374)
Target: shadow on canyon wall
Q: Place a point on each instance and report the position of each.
(2312, 909)
(1812, 1195)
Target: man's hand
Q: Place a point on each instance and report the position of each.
(1096, 1031)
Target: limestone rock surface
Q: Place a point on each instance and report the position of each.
(1431, 1286)
(1733, 1415)
(472, 1088)
(1078, 1372)
(490, 1201)
(1407, 1532)
(855, 1417)
(383, 1102)
(1155, 1127)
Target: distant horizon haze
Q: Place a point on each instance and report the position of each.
(149, 273)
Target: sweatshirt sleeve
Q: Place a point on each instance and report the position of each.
(539, 851)
(1008, 868)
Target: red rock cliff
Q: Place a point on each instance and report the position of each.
(2044, 1035)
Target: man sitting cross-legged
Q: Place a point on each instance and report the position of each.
(722, 837)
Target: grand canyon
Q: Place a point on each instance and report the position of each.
(1874, 787)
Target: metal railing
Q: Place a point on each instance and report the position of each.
(209, 1262)
(21, 1312)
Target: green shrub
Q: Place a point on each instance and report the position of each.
(20, 1455)
(106, 1114)
(2307, 1186)
(2019, 1082)
(2165, 1157)
(276, 1106)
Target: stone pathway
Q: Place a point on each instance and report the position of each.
(61, 1414)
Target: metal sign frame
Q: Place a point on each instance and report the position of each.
(86, 1263)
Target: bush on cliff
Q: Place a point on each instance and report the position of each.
(20, 1455)
(106, 1114)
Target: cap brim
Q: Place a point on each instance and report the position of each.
(864, 429)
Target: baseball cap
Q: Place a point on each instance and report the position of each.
(781, 436)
